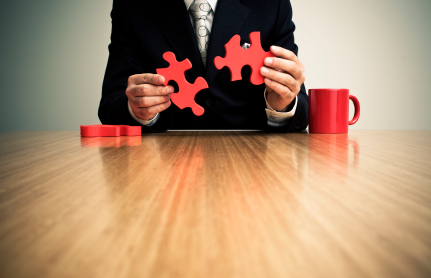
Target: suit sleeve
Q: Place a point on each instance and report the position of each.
(282, 35)
(124, 61)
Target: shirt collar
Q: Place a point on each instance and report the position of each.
(212, 3)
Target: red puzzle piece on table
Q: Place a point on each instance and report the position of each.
(237, 57)
(186, 91)
(109, 130)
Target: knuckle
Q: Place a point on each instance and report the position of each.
(299, 71)
(162, 90)
(144, 78)
(150, 78)
(130, 79)
(296, 88)
(143, 89)
(136, 102)
(128, 92)
(302, 78)
(153, 78)
(293, 81)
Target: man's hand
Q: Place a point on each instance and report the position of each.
(147, 95)
(284, 76)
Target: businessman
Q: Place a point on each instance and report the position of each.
(198, 30)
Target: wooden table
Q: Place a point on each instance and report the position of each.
(216, 204)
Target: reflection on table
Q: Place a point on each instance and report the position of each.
(216, 204)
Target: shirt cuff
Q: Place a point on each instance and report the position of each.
(143, 122)
(278, 119)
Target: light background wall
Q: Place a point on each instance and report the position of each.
(53, 55)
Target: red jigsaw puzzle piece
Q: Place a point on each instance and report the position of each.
(109, 130)
(186, 91)
(237, 57)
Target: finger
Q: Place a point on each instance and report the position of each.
(142, 102)
(281, 78)
(147, 78)
(149, 90)
(287, 54)
(284, 65)
(280, 89)
(152, 110)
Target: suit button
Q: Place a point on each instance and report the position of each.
(208, 102)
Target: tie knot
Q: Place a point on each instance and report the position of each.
(200, 9)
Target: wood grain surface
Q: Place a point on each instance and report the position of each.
(216, 204)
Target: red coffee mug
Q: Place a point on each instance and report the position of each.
(329, 110)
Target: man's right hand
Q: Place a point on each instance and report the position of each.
(147, 95)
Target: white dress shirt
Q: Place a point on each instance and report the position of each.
(274, 118)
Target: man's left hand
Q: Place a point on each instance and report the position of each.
(284, 76)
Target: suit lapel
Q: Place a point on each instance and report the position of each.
(174, 21)
(229, 18)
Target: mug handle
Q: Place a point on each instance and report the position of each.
(357, 110)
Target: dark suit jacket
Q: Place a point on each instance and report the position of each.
(143, 30)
